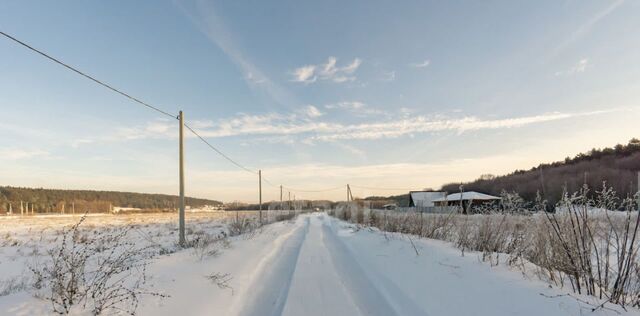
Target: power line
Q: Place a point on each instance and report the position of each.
(86, 75)
(300, 190)
(389, 189)
(269, 182)
(132, 98)
(315, 191)
(121, 93)
(219, 152)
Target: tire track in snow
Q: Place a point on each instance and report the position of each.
(317, 288)
(372, 298)
(268, 293)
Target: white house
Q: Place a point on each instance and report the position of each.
(424, 198)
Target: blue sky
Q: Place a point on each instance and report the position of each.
(379, 94)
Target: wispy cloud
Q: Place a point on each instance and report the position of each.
(580, 67)
(274, 124)
(583, 29)
(423, 64)
(305, 74)
(355, 107)
(311, 111)
(350, 105)
(22, 154)
(204, 15)
(326, 71)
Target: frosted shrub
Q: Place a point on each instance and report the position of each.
(591, 243)
(101, 272)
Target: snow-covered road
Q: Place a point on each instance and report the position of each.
(318, 265)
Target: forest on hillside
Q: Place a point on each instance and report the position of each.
(52, 200)
(617, 166)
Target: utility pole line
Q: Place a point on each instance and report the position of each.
(260, 193)
(182, 240)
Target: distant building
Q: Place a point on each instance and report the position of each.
(424, 198)
(466, 199)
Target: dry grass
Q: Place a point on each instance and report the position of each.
(589, 244)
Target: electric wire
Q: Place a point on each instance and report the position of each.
(108, 86)
(237, 164)
(314, 191)
(377, 188)
(134, 99)
(86, 75)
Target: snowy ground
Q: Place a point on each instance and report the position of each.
(317, 265)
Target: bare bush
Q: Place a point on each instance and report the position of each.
(207, 245)
(13, 285)
(240, 226)
(590, 244)
(102, 272)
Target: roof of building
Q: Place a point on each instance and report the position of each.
(424, 198)
(471, 195)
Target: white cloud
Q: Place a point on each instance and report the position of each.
(341, 79)
(351, 105)
(277, 125)
(312, 111)
(305, 126)
(580, 67)
(356, 107)
(22, 154)
(351, 68)
(305, 74)
(326, 71)
(421, 64)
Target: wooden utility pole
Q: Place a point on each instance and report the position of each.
(347, 193)
(260, 194)
(280, 196)
(182, 240)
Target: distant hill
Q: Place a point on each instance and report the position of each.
(52, 200)
(618, 166)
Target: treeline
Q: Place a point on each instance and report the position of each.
(41, 200)
(276, 205)
(618, 166)
(401, 200)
